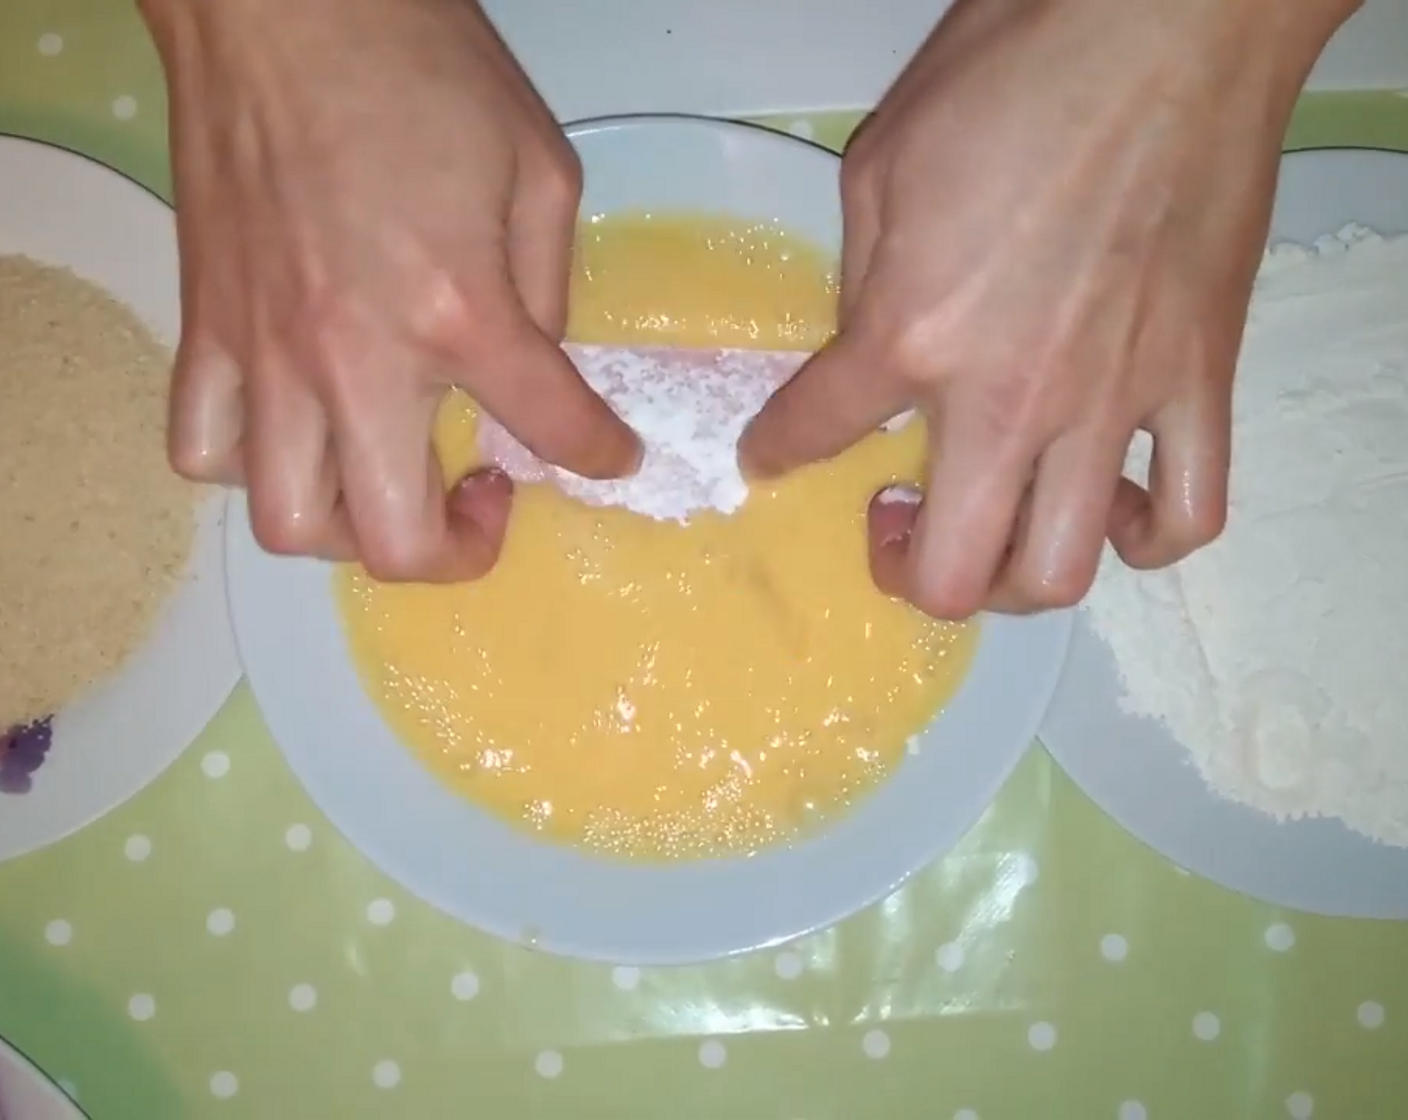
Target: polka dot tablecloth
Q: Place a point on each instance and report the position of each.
(214, 949)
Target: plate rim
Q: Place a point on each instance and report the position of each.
(52, 1091)
(32, 814)
(1310, 842)
(749, 932)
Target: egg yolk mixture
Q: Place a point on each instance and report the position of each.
(657, 690)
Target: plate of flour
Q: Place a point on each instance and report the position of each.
(1244, 713)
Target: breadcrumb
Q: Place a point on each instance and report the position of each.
(95, 528)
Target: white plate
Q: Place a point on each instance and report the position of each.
(26, 1094)
(1134, 770)
(479, 869)
(63, 209)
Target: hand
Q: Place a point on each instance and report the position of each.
(1053, 223)
(373, 206)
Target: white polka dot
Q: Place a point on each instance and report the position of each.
(965, 1114)
(949, 957)
(58, 932)
(1114, 948)
(1370, 1015)
(1206, 1026)
(876, 1044)
(381, 911)
(141, 1007)
(802, 128)
(69, 1088)
(137, 848)
(712, 1054)
(216, 764)
(548, 1064)
(224, 1085)
(50, 44)
(303, 997)
(124, 108)
(1280, 937)
(464, 986)
(220, 922)
(1132, 1110)
(625, 977)
(1300, 1106)
(1041, 1036)
(298, 837)
(788, 966)
(386, 1074)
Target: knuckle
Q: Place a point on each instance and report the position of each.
(912, 349)
(442, 313)
(280, 530)
(1059, 590)
(856, 176)
(194, 462)
(563, 187)
(1200, 529)
(945, 599)
(1205, 524)
(397, 557)
(555, 179)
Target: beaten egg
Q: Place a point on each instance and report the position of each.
(656, 690)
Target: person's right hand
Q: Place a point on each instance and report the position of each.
(373, 206)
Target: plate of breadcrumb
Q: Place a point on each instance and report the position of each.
(115, 644)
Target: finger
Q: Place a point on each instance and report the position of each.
(294, 500)
(407, 528)
(860, 211)
(1185, 504)
(977, 479)
(205, 418)
(529, 385)
(832, 402)
(1061, 529)
(889, 524)
(542, 226)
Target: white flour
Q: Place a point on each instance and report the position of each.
(689, 408)
(1278, 656)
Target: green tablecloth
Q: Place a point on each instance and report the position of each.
(214, 948)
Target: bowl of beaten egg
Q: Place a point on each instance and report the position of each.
(641, 741)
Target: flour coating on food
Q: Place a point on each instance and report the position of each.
(689, 408)
(1277, 655)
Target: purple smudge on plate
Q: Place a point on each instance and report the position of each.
(22, 752)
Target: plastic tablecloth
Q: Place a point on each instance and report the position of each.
(213, 948)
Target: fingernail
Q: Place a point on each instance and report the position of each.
(892, 515)
(902, 493)
(895, 423)
(752, 470)
(483, 499)
(478, 480)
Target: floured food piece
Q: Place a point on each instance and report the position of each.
(715, 676)
(689, 408)
(94, 526)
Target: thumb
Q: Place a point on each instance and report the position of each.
(480, 502)
(835, 400)
(530, 386)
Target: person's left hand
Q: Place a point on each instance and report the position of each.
(1053, 224)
